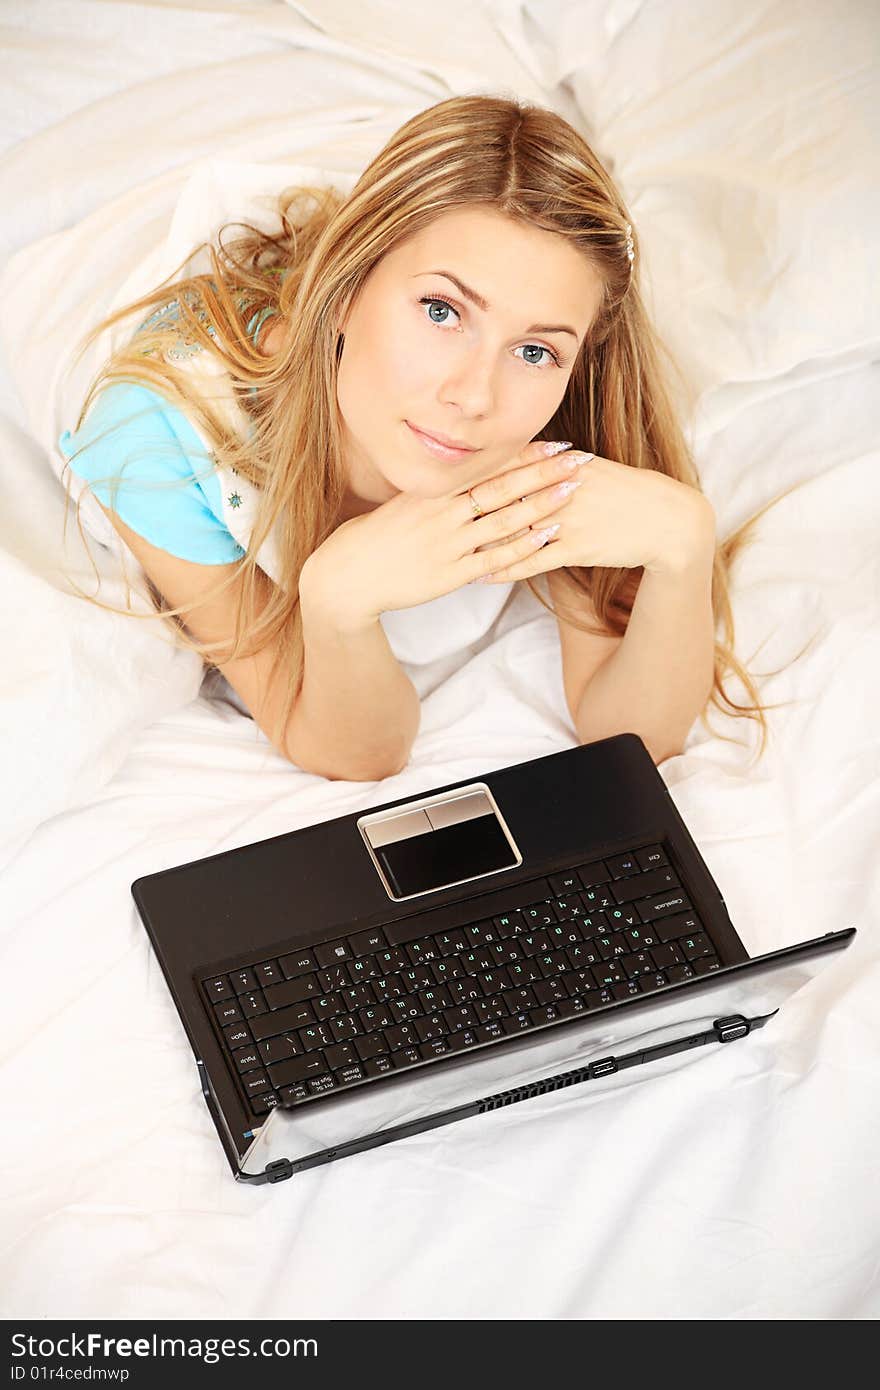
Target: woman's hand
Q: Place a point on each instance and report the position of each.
(619, 517)
(413, 549)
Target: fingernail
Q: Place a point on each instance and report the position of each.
(556, 447)
(541, 537)
(577, 459)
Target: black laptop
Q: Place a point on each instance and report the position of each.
(443, 955)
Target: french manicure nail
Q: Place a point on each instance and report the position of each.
(556, 447)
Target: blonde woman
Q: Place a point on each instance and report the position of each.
(374, 389)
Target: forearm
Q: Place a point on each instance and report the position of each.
(661, 676)
(356, 705)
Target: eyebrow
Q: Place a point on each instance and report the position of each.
(483, 304)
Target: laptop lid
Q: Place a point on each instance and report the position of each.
(456, 854)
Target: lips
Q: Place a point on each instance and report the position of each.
(440, 443)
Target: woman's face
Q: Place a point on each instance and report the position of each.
(485, 376)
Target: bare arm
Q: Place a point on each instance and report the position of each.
(357, 713)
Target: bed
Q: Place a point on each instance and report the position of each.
(739, 1183)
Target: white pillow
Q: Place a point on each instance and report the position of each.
(744, 143)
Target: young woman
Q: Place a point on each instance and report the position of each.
(388, 371)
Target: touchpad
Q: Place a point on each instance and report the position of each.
(438, 842)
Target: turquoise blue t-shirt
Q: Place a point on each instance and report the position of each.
(133, 466)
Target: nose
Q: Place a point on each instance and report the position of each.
(469, 384)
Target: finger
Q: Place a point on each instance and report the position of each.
(505, 499)
(502, 556)
(548, 557)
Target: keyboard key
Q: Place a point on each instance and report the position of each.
(488, 1032)
(696, 945)
(366, 942)
(318, 1035)
(227, 1012)
(680, 925)
(406, 1056)
(430, 1000)
(565, 883)
(645, 885)
(451, 943)
(510, 924)
(639, 963)
(336, 977)
(389, 962)
(269, 1025)
(291, 991)
(592, 874)
(548, 991)
(297, 963)
(629, 989)
(330, 1005)
(243, 981)
(618, 918)
(318, 1084)
(367, 1045)
(433, 1026)
(613, 945)
(401, 1036)
(546, 1013)
(518, 1023)
(255, 1082)
(462, 991)
(237, 1035)
(651, 857)
(344, 1028)
(218, 988)
(580, 982)
(482, 934)
(252, 1004)
(622, 865)
(279, 1049)
(520, 1000)
(261, 1105)
(677, 973)
(487, 1009)
(640, 938)
(348, 1074)
(433, 1047)
(666, 955)
(297, 1069)
(665, 905)
(647, 983)
(567, 1008)
(463, 1039)
(608, 972)
(460, 1018)
(706, 965)
(378, 1066)
(364, 968)
(580, 957)
(247, 1058)
(401, 1010)
(376, 1018)
(291, 1094)
(269, 973)
(331, 952)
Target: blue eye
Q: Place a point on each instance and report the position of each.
(439, 299)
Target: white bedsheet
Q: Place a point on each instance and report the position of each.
(738, 1184)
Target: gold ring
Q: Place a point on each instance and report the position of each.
(478, 510)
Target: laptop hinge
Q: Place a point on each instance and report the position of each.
(733, 1026)
(279, 1170)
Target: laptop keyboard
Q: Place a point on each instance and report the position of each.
(340, 1013)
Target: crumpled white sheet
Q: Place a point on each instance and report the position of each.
(737, 1186)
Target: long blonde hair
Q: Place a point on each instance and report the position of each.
(522, 160)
